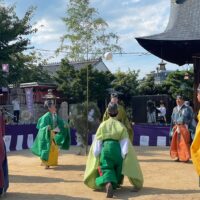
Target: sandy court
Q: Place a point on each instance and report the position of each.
(164, 178)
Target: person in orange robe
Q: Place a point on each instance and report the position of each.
(180, 120)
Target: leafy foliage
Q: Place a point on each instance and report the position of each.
(73, 83)
(79, 119)
(14, 40)
(126, 83)
(177, 85)
(87, 35)
(30, 68)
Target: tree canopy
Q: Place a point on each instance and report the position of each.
(178, 85)
(14, 32)
(87, 35)
(126, 83)
(73, 83)
(14, 40)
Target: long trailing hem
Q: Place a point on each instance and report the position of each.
(53, 154)
(180, 144)
(130, 168)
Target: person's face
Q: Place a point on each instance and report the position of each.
(198, 96)
(114, 100)
(179, 102)
(52, 109)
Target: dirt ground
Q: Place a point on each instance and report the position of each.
(163, 178)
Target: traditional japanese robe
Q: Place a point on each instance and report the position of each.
(180, 143)
(122, 117)
(4, 182)
(47, 141)
(112, 129)
(195, 147)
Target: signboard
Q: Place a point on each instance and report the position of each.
(5, 68)
(29, 99)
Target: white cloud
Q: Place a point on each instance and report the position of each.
(47, 31)
(135, 1)
(126, 3)
(127, 18)
(152, 19)
(44, 26)
(134, 23)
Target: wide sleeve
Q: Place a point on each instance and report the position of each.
(63, 138)
(124, 142)
(43, 122)
(99, 132)
(97, 147)
(127, 123)
(106, 115)
(124, 146)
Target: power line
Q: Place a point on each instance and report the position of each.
(114, 53)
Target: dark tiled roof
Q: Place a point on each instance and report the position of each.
(181, 39)
(184, 22)
(52, 67)
(79, 65)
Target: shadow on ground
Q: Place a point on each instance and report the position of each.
(69, 168)
(127, 192)
(36, 179)
(26, 196)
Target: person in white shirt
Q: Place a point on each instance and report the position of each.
(162, 113)
(16, 110)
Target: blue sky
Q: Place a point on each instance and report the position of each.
(126, 18)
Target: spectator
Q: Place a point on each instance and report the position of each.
(16, 110)
(162, 113)
(151, 112)
(180, 120)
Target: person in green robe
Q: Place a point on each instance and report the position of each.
(53, 134)
(121, 116)
(112, 156)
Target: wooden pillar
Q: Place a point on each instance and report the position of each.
(196, 63)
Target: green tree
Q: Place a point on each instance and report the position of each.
(99, 82)
(13, 39)
(87, 34)
(127, 84)
(177, 85)
(147, 86)
(66, 78)
(73, 83)
(30, 68)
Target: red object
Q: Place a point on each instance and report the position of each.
(2, 150)
(99, 170)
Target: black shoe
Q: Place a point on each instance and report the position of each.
(109, 190)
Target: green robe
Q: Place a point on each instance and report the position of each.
(122, 117)
(113, 129)
(41, 145)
